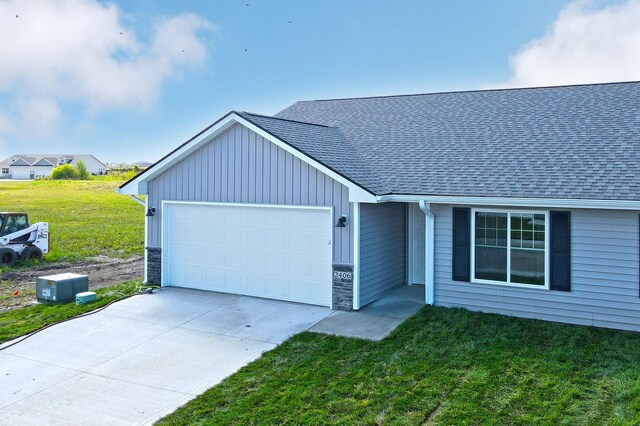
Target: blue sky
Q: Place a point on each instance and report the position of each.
(178, 66)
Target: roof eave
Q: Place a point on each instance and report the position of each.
(558, 203)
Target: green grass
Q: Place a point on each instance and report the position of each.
(17, 322)
(86, 218)
(443, 366)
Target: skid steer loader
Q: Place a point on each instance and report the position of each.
(19, 240)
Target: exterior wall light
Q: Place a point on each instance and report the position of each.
(342, 221)
(151, 211)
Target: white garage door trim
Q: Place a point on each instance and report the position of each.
(164, 237)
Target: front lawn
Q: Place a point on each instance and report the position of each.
(22, 321)
(86, 218)
(443, 366)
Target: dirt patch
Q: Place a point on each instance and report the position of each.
(102, 271)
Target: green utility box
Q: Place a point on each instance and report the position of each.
(60, 288)
(85, 297)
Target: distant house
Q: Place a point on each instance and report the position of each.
(33, 166)
(142, 164)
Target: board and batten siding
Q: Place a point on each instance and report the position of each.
(604, 275)
(240, 166)
(383, 249)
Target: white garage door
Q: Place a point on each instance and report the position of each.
(275, 252)
(20, 174)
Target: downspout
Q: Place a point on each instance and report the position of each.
(146, 239)
(429, 246)
(355, 223)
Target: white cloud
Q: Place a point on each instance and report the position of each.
(82, 52)
(584, 45)
(39, 116)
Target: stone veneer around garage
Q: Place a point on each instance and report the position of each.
(154, 265)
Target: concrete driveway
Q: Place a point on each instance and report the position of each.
(141, 358)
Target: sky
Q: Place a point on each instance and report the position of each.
(130, 80)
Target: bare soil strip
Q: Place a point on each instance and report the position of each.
(102, 272)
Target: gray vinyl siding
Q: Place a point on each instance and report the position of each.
(383, 249)
(604, 275)
(240, 166)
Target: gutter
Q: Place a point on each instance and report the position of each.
(137, 200)
(429, 249)
(562, 203)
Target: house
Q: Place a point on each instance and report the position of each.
(34, 166)
(523, 202)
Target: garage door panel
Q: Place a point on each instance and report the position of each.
(277, 288)
(299, 242)
(276, 218)
(215, 216)
(299, 292)
(256, 285)
(318, 271)
(235, 282)
(194, 215)
(196, 254)
(212, 234)
(318, 243)
(257, 238)
(256, 261)
(276, 240)
(319, 292)
(299, 266)
(191, 276)
(235, 217)
(273, 252)
(234, 259)
(179, 253)
(234, 237)
(298, 219)
(277, 264)
(256, 218)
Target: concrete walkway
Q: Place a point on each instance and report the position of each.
(141, 358)
(377, 320)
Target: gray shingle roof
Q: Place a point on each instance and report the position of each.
(36, 159)
(579, 142)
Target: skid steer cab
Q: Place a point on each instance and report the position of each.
(21, 241)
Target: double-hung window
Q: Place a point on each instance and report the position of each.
(510, 247)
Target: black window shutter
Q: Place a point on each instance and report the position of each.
(461, 250)
(560, 251)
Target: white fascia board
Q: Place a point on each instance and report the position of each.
(138, 185)
(517, 202)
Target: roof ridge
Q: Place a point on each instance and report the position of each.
(453, 92)
(286, 119)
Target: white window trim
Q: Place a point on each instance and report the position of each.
(508, 283)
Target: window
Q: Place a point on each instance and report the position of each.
(5, 170)
(510, 248)
(15, 223)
